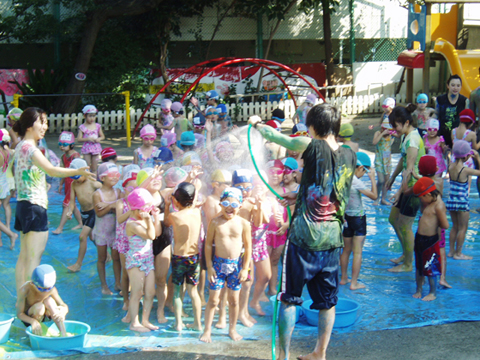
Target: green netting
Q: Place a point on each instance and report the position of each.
(379, 49)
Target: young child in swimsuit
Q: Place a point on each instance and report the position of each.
(141, 230)
(66, 142)
(383, 141)
(91, 135)
(186, 222)
(82, 189)
(230, 233)
(435, 145)
(144, 155)
(38, 299)
(427, 247)
(103, 234)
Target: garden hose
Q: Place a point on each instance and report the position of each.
(275, 306)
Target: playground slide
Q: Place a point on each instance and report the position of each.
(464, 63)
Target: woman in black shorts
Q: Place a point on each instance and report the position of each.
(32, 201)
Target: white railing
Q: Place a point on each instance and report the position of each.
(115, 120)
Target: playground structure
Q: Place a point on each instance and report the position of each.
(439, 37)
(192, 76)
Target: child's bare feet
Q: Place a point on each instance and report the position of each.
(206, 337)
(57, 231)
(429, 297)
(385, 202)
(13, 238)
(375, 203)
(197, 327)
(179, 326)
(221, 323)
(310, 357)
(417, 295)
(443, 282)
(398, 260)
(126, 318)
(79, 226)
(234, 335)
(106, 291)
(76, 268)
(161, 319)
(245, 320)
(118, 288)
(401, 268)
(356, 286)
(125, 306)
(344, 281)
(149, 325)
(462, 257)
(450, 254)
(139, 328)
(264, 298)
(257, 308)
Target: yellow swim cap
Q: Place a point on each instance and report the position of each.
(221, 176)
(346, 130)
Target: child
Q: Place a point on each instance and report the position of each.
(66, 142)
(422, 114)
(302, 111)
(387, 106)
(82, 189)
(345, 137)
(166, 118)
(38, 300)
(90, 134)
(355, 229)
(383, 141)
(290, 174)
(143, 156)
(435, 145)
(109, 155)
(230, 233)
(211, 97)
(5, 157)
(180, 123)
(103, 234)
(224, 119)
(458, 203)
(169, 141)
(427, 248)
(186, 224)
(141, 231)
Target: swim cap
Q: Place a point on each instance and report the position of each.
(433, 124)
(275, 164)
(108, 152)
(223, 146)
(421, 97)
(14, 114)
(424, 186)
(89, 109)
(461, 149)
(44, 276)
(66, 137)
(242, 176)
(4, 136)
(211, 111)
(290, 163)
(174, 176)
(77, 164)
(222, 108)
(278, 115)
(221, 176)
(212, 94)
(191, 158)
(148, 130)
(427, 165)
(346, 130)
(143, 175)
(388, 103)
(129, 176)
(467, 116)
(184, 193)
(311, 99)
(168, 139)
(166, 104)
(177, 107)
(138, 198)
(233, 193)
(131, 167)
(163, 155)
(187, 138)
(199, 120)
(364, 160)
(274, 124)
(386, 124)
(199, 141)
(106, 168)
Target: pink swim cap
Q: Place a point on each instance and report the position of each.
(174, 176)
(166, 104)
(138, 198)
(148, 130)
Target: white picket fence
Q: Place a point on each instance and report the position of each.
(115, 120)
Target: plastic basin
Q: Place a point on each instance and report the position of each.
(345, 313)
(298, 308)
(5, 325)
(79, 329)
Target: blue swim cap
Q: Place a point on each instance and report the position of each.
(363, 160)
(422, 97)
(212, 94)
(187, 138)
(163, 154)
(233, 193)
(222, 108)
(242, 176)
(291, 163)
(77, 164)
(44, 276)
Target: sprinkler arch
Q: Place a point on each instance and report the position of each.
(209, 66)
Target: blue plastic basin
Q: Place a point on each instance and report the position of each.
(345, 313)
(61, 343)
(298, 308)
(5, 325)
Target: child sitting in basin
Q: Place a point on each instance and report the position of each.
(38, 299)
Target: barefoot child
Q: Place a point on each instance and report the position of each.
(5, 156)
(383, 141)
(345, 137)
(141, 230)
(355, 229)
(144, 155)
(435, 145)
(230, 233)
(427, 247)
(186, 223)
(91, 135)
(66, 142)
(38, 300)
(82, 189)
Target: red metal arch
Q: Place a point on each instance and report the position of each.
(221, 62)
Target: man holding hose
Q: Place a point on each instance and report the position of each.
(313, 247)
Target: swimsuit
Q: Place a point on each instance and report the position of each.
(139, 254)
(383, 155)
(88, 218)
(185, 267)
(273, 239)
(121, 238)
(227, 271)
(88, 146)
(68, 181)
(104, 231)
(145, 162)
(427, 255)
(458, 197)
(437, 151)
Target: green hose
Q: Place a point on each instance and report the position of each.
(275, 306)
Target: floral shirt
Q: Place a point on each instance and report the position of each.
(29, 178)
(412, 140)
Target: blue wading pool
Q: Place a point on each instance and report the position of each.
(345, 313)
(5, 325)
(79, 329)
(298, 308)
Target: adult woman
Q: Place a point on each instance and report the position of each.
(405, 208)
(32, 201)
(448, 108)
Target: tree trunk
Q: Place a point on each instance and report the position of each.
(164, 40)
(327, 34)
(217, 27)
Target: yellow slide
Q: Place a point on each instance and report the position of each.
(464, 63)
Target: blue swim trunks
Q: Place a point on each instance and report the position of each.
(227, 270)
